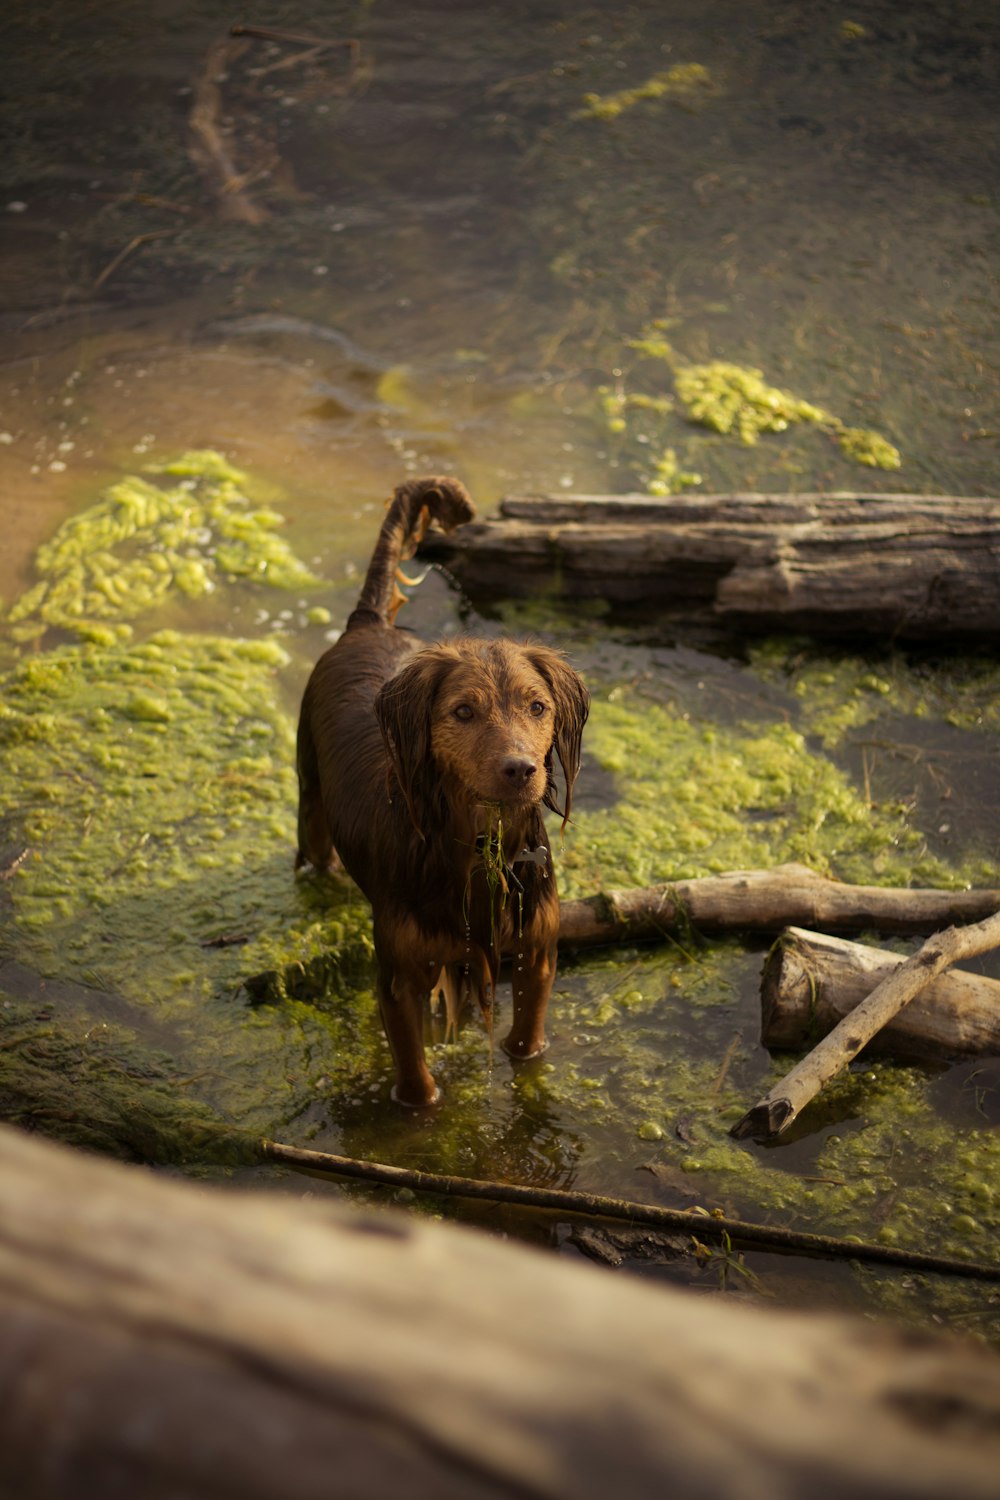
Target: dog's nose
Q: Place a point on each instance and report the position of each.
(518, 770)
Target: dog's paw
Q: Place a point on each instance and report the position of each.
(519, 1055)
(397, 1098)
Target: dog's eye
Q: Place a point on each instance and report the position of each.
(463, 712)
(537, 708)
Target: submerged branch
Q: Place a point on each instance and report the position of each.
(599, 1206)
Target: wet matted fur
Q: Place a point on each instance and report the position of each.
(422, 771)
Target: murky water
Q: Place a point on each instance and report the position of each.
(453, 258)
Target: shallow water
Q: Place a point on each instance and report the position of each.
(458, 257)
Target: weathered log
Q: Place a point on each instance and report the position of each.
(811, 981)
(788, 1098)
(158, 1338)
(764, 901)
(753, 901)
(906, 567)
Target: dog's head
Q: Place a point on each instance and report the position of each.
(484, 718)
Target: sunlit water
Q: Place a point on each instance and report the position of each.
(453, 255)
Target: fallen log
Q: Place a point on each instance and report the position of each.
(786, 1100)
(751, 901)
(906, 567)
(158, 1338)
(764, 901)
(811, 981)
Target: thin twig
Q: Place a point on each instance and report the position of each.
(14, 863)
(315, 44)
(730, 1053)
(598, 1206)
(130, 248)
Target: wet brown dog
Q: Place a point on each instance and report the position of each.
(423, 769)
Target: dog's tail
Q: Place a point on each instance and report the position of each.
(413, 507)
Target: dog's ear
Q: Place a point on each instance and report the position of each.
(572, 705)
(403, 707)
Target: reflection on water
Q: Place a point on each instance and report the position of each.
(432, 253)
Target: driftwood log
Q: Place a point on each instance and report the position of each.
(158, 1338)
(812, 980)
(788, 1098)
(790, 895)
(905, 567)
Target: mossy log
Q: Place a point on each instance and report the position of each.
(765, 901)
(905, 567)
(811, 981)
(161, 1338)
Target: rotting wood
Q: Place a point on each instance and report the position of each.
(785, 1101)
(764, 901)
(812, 980)
(904, 567)
(158, 1337)
(715, 1228)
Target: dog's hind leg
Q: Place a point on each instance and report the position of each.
(315, 845)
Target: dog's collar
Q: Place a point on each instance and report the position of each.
(527, 856)
(539, 856)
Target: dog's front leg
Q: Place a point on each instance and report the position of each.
(403, 988)
(533, 973)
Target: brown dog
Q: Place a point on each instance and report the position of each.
(423, 771)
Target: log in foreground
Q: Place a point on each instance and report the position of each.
(811, 981)
(909, 567)
(790, 895)
(216, 1344)
(787, 1099)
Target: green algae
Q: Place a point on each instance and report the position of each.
(156, 791)
(698, 798)
(143, 542)
(867, 447)
(153, 784)
(669, 477)
(729, 399)
(687, 84)
(736, 399)
(838, 691)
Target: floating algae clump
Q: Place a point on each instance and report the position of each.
(687, 84)
(867, 447)
(733, 398)
(143, 541)
(730, 399)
